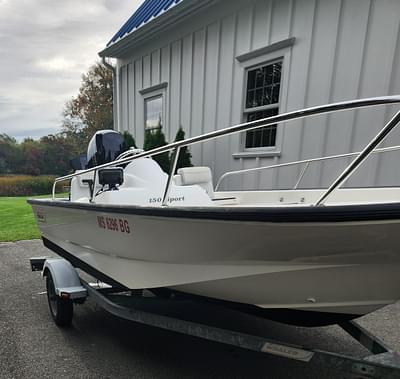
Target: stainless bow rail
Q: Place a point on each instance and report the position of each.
(306, 163)
(289, 116)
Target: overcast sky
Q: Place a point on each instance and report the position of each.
(45, 47)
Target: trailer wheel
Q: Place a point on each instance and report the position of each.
(61, 309)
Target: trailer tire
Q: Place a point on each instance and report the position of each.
(61, 310)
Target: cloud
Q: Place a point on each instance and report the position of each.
(45, 47)
(57, 64)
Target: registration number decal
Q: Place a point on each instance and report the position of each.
(114, 224)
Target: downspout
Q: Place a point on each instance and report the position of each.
(114, 84)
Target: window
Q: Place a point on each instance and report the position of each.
(154, 113)
(262, 100)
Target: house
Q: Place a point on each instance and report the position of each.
(209, 64)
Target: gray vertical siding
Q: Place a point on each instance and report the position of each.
(343, 49)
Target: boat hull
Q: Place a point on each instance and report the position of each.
(337, 267)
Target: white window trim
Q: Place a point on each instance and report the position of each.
(254, 62)
(156, 91)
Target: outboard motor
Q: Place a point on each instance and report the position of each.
(104, 147)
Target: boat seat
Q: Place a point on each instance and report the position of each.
(200, 176)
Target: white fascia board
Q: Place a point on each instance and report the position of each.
(153, 27)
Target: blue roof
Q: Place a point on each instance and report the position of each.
(149, 10)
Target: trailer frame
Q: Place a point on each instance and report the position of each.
(383, 362)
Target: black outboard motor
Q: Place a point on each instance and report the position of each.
(105, 146)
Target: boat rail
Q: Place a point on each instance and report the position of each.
(306, 163)
(289, 116)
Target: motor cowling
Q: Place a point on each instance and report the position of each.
(104, 147)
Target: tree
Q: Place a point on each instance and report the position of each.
(10, 155)
(129, 140)
(56, 152)
(32, 156)
(73, 131)
(50, 155)
(184, 159)
(91, 109)
(153, 139)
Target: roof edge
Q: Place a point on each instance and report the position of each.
(177, 13)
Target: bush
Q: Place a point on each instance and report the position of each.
(185, 158)
(153, 139)
(24, 185)
(129, 140)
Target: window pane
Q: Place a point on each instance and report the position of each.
(153, 116)
(249, 139)
(258, 100)
(269, 69)
(268, 96)
(276, 74)
(275, 93)
(250, 99)
(251, 79)
(261, 137)
(259, 78)
(263, 85)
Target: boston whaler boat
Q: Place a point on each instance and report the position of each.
(308, 257)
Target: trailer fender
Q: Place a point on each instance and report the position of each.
(65, 277)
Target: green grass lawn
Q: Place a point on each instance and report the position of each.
(16, 219)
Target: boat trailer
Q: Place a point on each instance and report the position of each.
(65, 287)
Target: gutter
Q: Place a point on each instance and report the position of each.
(114, 84)
(153, 27)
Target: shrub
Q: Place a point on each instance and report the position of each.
(129, 140)
(185, 158)
(25, 185)
(153, 139)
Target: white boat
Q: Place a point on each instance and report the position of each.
(308, 257)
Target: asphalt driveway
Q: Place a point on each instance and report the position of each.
(99, 345)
